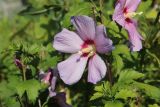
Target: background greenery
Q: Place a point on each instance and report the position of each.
(27, 29)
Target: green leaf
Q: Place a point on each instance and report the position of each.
(125, 93)
(113, 26)
(154, 105)
(129, 75)
(113, 104)
(76, 9)
(152, 14)
(32, 91)
(11, 102)
(5, 92)
(117, 63)
(113, 29)
(121, 49)
(99, 88)
(96, 96)
(150, 90)
(144, 5)
(31, 87)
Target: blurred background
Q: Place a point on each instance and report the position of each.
(27, 29)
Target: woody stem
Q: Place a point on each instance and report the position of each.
(109, 73)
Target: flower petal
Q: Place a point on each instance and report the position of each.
(134, 37)
(132, 5)
(67, 41)
(45, 77)
(97, 69)
(53, 83)
(122, 2)
(85, 26)
(52, 87)
(72, 69)
(102, 43)
(118, 15)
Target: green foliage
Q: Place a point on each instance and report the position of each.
(29, 34)
(81, 9)
(129, 75)
(150, 90)
(113, 104)
(31, 87)
(125, 93)
(126, 89)
(96, 96)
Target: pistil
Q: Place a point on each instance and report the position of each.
(88, 51)
(132, 14)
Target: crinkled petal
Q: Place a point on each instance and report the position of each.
(118, 15)
(97, 69)
(45, 77)
(85, 26)
(71, 70)
(103, 44)
(67, 41)
(52, 87)
(53, 83)
(51, 93)
(132, 5)
(134, 37)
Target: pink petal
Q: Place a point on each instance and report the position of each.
(97, 69)
(85, 26)
(52, 87)
(118, 15)
(45, 77)
(103, 44)
(122, 2)
(134, 37)
(53, 83)
(51, 93)
(67, 41)
(132, 5)
(71, 70)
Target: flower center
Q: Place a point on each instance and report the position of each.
(88, 48)
(130, 14)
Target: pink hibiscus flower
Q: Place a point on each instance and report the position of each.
(84, 46)
(124, 11)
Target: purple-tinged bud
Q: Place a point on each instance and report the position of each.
(18, 63)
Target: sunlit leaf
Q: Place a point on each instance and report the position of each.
(125, 93)
(129, 75)
(113, 104)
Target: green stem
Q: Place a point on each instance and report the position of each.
(25, 93)
(109, 73)
(45, 102)
(39, 103)
(24, 74)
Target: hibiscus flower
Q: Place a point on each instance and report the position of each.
(124, 11)
(84, 44)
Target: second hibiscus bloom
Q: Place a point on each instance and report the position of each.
(123, 15)
(84, 46)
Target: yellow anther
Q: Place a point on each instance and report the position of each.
(90, 49)
(91, 53)
(132, 14)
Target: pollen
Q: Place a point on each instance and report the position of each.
(88, 49)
